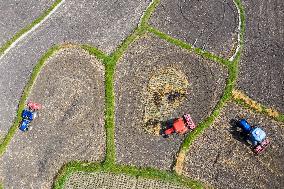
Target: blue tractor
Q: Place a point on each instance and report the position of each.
(255, 135)
(28, 115)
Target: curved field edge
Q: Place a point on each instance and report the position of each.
(36, 70)
(227, 95)
(146, 173)
(24, 30)
(4, 144)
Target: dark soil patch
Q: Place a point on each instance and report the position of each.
(222, 158)
(211, 25)
(70, 126)
(262, 69)
(15, 15)
(145, 58)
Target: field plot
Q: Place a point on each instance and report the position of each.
(211, 25)
(223, 159)
(261, 68)
(146, 78)
(70, 126)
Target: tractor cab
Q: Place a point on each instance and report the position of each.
(24, 126)
(27, 114)
(181, 125)
(256, 136)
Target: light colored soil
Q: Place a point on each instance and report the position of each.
(81, 180)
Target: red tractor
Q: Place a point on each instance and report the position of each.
(181, 125)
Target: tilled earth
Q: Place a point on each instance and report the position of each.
(209, 24)
(70, 126)
(81, 180)
(223, 159)
(262, 68)
(146, 57)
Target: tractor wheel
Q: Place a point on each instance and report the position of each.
(165, 136)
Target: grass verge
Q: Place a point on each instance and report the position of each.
(110, 64)
(207, 122)
(187, 46)
(109, 163)
(28, 27)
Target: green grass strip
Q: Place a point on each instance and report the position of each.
(187, 46)
(146, 173)
(110, 63)
(28, 27)
(95, 52)
(24, 97)
(146, 17)
(110, 111)
(139, 31)
(227, 95)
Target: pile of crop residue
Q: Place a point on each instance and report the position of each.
(165, 92)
